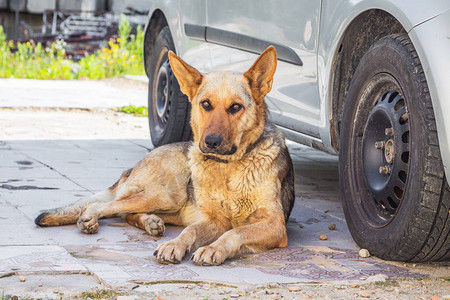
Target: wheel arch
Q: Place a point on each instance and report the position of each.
(361, 33)
(156, 22)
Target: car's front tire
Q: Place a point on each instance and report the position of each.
(395, 196)
(168, 107)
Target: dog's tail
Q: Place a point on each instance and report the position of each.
(70, 214)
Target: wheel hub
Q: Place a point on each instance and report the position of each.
(389, 151)
(385, 157)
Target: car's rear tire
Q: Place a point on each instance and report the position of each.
(168, 107)
(395, 196)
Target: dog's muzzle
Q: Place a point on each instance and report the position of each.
(213, 144)
(213, 141)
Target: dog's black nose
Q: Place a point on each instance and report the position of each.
(213, 141)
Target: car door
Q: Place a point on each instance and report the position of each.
(237, 31)
(192, 48)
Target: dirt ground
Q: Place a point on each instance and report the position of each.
(29, 124)
(427, 288)
(396, 289)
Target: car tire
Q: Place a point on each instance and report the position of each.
(395, 195)
(168, 107)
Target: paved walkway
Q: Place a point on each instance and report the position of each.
(72, 93)
(42, 174)
(37, 175)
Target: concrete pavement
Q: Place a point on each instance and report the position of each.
(37, 174)
(108, 93)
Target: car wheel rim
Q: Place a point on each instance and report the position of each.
(161, 94)
(385, 158)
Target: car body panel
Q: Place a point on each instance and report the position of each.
(294, 100)
(301, 100)
(336, 17)
(178, 13)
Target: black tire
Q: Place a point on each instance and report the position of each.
(400, 211)
(168, 107)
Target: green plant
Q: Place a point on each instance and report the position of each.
(2, 34)
(387, 283)
(140, 111)
(99, 294)
(124, 31)
(31, 60)
(122, 56)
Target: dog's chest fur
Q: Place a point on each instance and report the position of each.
(238, 188)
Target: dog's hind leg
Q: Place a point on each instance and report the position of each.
(70, 214)
(135, 202)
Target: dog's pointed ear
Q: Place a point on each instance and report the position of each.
(260, 75)
(188, 77)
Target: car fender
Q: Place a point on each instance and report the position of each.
(336, 17)
(193, 11)
(432, 42)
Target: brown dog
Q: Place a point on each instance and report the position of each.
(233, 187)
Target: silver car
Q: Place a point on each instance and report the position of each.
(368, 80)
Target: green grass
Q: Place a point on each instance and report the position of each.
(100, 294)
(140, 111)
(122, 56)
(387, 283)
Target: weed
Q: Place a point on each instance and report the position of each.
(122, 56)
(140, 111)
(387, 283)
(2, 34)
(31, 60)
(99, 294)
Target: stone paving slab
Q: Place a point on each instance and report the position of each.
(38, 259)
(120, 255)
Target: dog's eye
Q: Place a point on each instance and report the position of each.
(234, 108)
(206, 105)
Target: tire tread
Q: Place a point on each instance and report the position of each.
(178, 128)
(436, 243)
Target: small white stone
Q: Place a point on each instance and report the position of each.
(294, 289)
(377, 278)
(364, 253)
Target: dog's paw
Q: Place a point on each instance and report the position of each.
(209, 256)
(171, 252)
(88, 224)
(154, 225)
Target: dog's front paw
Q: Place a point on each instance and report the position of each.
(171, 252)
(88, 224)
(209, 256)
